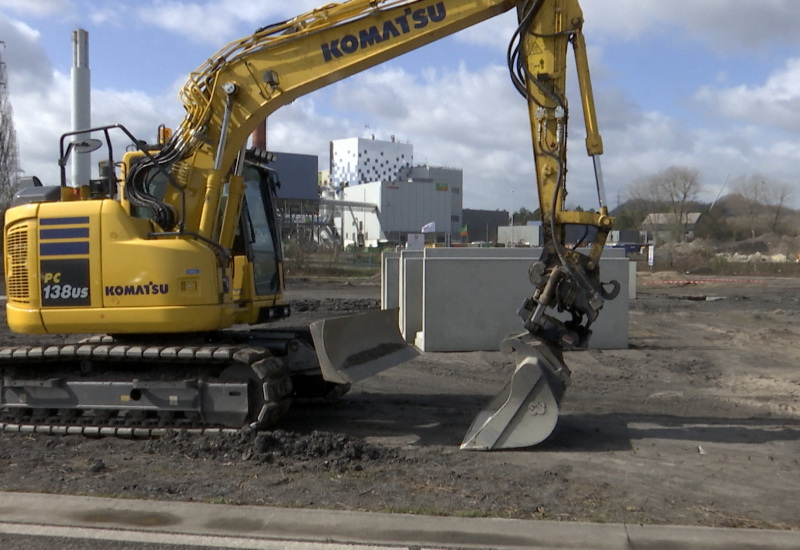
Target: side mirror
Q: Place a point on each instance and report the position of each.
(86, 146)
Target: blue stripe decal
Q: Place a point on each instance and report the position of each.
(64, 249)
(66, 233)
(64, 221)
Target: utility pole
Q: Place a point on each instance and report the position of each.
(513, 242)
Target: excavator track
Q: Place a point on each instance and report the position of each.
(103, 387)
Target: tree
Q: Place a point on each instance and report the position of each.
(629, 219)
(680, 188)
(778, 195)
(641, 203)
(673, 191)
(714, 224)
(523, 216)
(754, 188)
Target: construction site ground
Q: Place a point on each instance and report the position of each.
(696, 423)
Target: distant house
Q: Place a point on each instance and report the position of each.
(662, 227)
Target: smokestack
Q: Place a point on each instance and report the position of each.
(259, 136)
(81, 104)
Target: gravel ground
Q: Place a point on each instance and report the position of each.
(697, 423)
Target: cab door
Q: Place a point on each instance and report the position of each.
(258, 261)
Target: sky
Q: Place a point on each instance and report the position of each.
(711, 85)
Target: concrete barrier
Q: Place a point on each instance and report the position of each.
(410, 293)
(466, 299)
(390, 280)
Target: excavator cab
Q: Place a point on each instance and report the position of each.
(258, 232)
(256, 250)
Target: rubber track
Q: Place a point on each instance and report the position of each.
(105, 350)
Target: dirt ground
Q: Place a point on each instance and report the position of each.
(697, 423)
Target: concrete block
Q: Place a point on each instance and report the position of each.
(390, 280)
(612, 252)
(470, 304)
(632, 280)
(410, 293)
(470, 300)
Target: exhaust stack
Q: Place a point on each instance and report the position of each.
(81, 103)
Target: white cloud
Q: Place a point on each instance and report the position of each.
(28, 74)
(301, 128)
(477, 122)
(736, 23)
(776, 102)
(38, 97)
(104, 14)
(723, 24)
(494, 33)
(472, 120)
(41, 115)
(186, 18)
(39, 8)
(218, 21)
(27, 66)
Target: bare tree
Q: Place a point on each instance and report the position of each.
(765, 200)
(679, 187)
(754, 188)
(778, 195)
(642, 200)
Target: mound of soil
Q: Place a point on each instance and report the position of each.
(316, 451)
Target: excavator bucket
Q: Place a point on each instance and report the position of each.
(526, 411)
(355, 347)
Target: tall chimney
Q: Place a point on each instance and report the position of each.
(81, 104)
(259, 136)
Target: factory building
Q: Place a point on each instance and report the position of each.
(298, 175)
(356, 161)
(298, 199)
(396, 197)
(423, 196)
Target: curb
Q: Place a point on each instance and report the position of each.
(327, 527)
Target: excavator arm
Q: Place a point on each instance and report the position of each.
(564, 279)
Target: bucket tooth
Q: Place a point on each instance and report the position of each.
(525, 412)
(355, 347)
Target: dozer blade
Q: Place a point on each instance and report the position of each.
(526, 411)
(355, 347)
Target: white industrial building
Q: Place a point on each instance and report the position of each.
(397, 197)
(358, 160)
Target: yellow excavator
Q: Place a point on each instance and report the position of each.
(172, 255)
